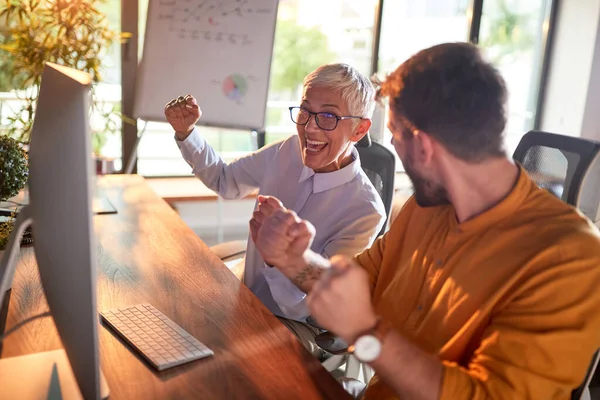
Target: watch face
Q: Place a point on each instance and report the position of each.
(367, 348)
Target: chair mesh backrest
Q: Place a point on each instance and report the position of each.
(379, 164)
(560, 164)
(375, 179)
(550, 168)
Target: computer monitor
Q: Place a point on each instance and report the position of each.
(60, 211)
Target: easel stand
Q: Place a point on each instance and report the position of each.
(133, 157)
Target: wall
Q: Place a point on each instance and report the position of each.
(591, 117)
(378, 124)
(573, 87)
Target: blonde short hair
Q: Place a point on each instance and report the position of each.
(355, 88)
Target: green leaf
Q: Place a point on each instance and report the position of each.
(13, 167)
(74, 33)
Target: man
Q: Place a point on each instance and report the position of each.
(486, 286)
(309, 173)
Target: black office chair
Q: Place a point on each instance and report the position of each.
(568, 167)
(379, 165)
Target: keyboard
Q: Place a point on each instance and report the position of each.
(162, 342)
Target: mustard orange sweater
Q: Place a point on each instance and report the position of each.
(509, 301)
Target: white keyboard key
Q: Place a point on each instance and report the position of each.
(162, 342)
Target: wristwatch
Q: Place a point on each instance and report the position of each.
(367, 347)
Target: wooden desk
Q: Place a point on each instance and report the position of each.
(174, 190)
(147, 254)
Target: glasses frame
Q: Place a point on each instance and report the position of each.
(316, 115)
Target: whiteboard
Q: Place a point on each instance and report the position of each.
(219, 51)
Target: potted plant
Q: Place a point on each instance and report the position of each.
(74, 33)
(13, 177)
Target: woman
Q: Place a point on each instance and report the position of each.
(317, 174)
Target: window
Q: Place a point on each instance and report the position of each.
(341, 31)
(410, 26)
(512, 34)
(109, 90)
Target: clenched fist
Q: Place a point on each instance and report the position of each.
(183, 113)
(267, 205)
(282, 239)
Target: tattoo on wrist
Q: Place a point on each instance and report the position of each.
(310, 272)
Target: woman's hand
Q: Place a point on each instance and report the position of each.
(183, 113)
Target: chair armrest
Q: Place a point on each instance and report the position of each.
(230, 249)
(331, 343)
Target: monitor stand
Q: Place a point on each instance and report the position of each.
(45, 375)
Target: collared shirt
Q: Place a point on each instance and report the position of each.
(343, 205)
(508, 300)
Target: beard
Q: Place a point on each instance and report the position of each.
(427, 192)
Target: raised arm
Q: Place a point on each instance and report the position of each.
(234, 180)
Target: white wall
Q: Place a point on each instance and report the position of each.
(573, 91)
(590, 126)
(378, 124)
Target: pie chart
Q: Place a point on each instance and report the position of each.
(235, 87)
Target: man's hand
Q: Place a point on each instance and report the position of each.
(341, 300)
(267, 205)
(183, 113)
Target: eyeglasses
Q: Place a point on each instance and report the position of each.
(324, 120)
